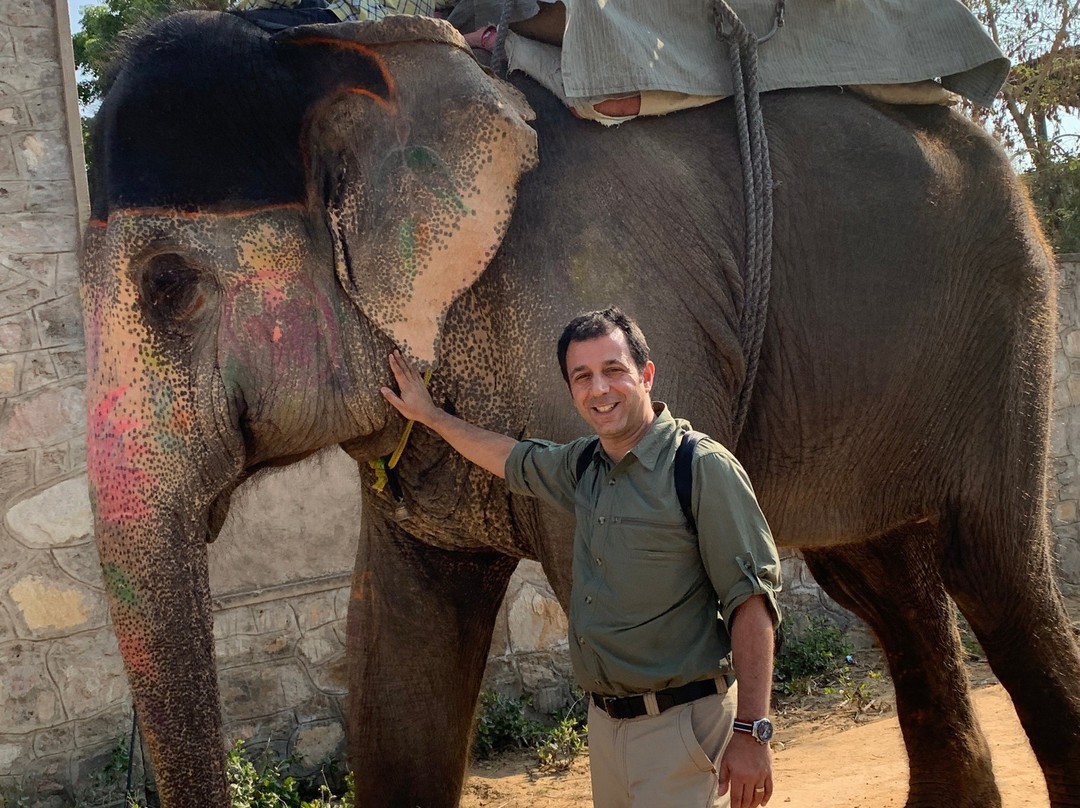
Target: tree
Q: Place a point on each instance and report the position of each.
(1042, 38)
(104, 30)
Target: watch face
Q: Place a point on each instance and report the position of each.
(763, 730)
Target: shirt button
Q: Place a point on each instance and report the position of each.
(580, 640)
(601, 520)
(611, 482)
(588, 598)
(599, 561)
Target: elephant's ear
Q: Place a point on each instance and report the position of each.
(416, 163)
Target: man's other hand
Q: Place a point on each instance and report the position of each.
(746, 770)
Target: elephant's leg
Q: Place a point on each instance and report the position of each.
(419, 630)
(894, 585)
(1000, 574)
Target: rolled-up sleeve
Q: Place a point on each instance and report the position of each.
(736, 544)
(545, 470)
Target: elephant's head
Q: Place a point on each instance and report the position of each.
(271, 215)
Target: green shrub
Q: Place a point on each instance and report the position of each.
(819, 649)
(502, 725)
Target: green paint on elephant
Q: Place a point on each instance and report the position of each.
(407, 248)
(171, 443)
(118, 585)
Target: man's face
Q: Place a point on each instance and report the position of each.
(609, 391)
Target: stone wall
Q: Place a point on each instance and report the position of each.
(1065, 434)
(280, 569)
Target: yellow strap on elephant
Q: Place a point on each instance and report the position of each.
(382, 465)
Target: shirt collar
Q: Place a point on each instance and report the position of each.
(648, 449)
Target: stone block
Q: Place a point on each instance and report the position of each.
(52, 463)
(103, 730)
(14, 196)
(45, 418)
(60, 322)
(70, 363)
(59, 516)
(275, 616)
(1059, 439)
(89, 672)
(9, 167)
(77, 453)
(29, 699)
(82, 564)
(341, 602)
(256, 691)
(7, 47)
(318, 708)
(22, 297)
(315, 743)
(27, 13)
(1071, 343)
(37, 267)
(39, 232)
(49, 604)
(16, 474)
(315, 610)
(17, 333)
(48, 113)
(57, 195)
(332, 677)
(234, 622)
(38, 371)
(10, 373)
(1065, 513)
(319, 646)
(246, 649)
(54, 741)
(1062, 398)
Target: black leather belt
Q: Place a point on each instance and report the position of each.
(633, 706)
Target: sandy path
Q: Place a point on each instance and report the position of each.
(863, 767)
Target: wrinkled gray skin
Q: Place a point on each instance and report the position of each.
(897, 433)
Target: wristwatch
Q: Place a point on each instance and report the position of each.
(761, 729)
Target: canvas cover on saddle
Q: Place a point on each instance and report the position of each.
(620, 47)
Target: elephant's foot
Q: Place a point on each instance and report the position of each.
(965, 780)
(894, 585)
(1011, 600)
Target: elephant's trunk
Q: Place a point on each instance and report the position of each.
(153, 473)
(160, 599)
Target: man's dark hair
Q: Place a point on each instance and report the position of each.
(601, 323)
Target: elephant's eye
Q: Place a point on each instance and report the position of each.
(170, 288)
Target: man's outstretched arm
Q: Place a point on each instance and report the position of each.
(486, 449)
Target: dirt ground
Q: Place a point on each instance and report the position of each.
(828, 750)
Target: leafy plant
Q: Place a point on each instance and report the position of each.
(559, 746)
(261, 782)
(502, 725)
(819, 649)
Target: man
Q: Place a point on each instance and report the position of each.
(644, 635)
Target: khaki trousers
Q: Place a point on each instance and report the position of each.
(669, 760)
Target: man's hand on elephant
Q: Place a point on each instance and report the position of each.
(413, 399)
(746, 770)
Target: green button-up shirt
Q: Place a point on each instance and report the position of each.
(643, 608)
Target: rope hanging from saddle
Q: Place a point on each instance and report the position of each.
(757, 194)
(757, 182)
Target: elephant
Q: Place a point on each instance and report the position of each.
(273, 214)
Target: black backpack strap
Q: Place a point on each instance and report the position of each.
(585, 458)
(684, 475)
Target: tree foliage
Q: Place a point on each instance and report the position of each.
(1042, 39)
(106, 28)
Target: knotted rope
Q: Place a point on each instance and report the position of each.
(757, 193)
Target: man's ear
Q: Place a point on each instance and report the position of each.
(416, 165)
(647, 376)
